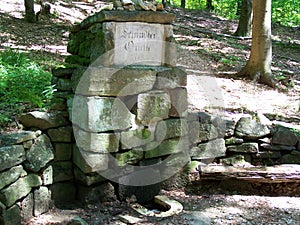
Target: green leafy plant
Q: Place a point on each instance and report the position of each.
(24, 84)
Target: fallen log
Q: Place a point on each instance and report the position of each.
(269, 174)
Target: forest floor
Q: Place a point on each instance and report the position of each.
(211, 57)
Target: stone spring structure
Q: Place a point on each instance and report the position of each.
(128, 106)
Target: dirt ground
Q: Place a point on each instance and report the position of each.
(212, 87)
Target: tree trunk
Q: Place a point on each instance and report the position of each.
(182, 3)
(29, 11)
(238, 7)
(245, 21)
(258, 66)
(209, 5)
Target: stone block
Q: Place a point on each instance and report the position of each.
(167, 147)
(284, 136)
(98, 114)
(43, 120)
(113, 81)
(63, 84)
(89, 162)
(19, 189)
(153, 106)
(135, 138)
(244, 147)
(88, 179)
(179, 102)
(199, 132)
(292, 158)
(40, 153)
(62, 171)
(129, 157)
(62, 151)
(10, 216)
(96, 142)
(62, 72)
(11, 175)
(209, 150)
(47, 176)
(250, 129)
(233, 141)
(169, 78)
(17, 137)
(42, 200)
(11, 156)
(61, 134)
(171, 128)
(26, 207)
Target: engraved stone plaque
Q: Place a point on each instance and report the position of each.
(139, 44)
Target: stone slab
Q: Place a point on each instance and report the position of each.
(124, 16)
(11, 156)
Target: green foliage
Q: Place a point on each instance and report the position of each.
(24, 84)
(285, 12)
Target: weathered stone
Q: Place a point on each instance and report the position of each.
(179, 102)
(199, 132)
(292, 158)
(62, 171)
(10, 216)
(98, 114)
(17, 137)
(171, 128)
(42, 200)
(250, 129)
(284, 136)
(27, 206)
(225, 126)
(61, 134)
(167, 147)
(96, 142)
(27, 144)
(143, 184)
(62, 72)
(135, 138)
(39, 154)
(209, 150)
(128, 219)
(47, 176)
(95, 194)
(233, 141)
(244, 147)
(43, 120)
(277, 147)
(89, 162)
(63, 193)
(11, 175)
(63, 84)
(267, 155)
(62, 151)
(236, 160)
(109, 81)
(88, 179)
(153, 106)
(129, 157)
(19, 189)
(124, 16)
(11, 156)
(169, 78)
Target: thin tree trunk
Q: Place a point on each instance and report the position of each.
(29, 11)
(182, 3)
(245, 21)
(258, 66)
(209, 5)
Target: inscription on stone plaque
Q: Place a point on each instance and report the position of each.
(139, 44)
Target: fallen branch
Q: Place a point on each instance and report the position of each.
(272, 174)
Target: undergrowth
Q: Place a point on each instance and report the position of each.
(24, 84)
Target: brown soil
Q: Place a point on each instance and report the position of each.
(211, 60)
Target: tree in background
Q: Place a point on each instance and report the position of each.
(29, 11)
(182, 3)
(209, 5)
(258, 66)
(245, 21)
